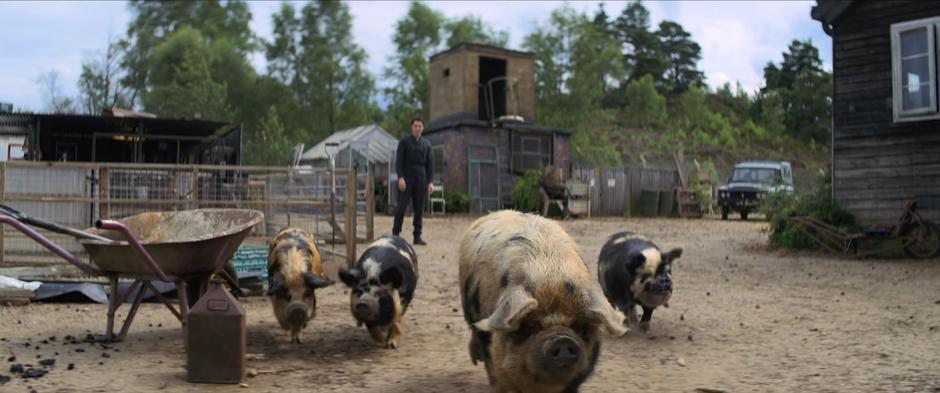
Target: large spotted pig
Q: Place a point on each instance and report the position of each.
(633, 271)
(294, 273)
(382, 285)
(527, 295)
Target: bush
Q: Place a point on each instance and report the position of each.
(457, 202)
(525, 193)
(815, 202)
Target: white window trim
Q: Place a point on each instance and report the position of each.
(897, 82)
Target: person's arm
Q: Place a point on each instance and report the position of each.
(429, 163)
(400, 158)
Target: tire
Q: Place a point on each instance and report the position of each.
(924, 241)
(724, 213)
(744, 215)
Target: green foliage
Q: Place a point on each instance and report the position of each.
(804, 91)
(314, 54)
(456, 201)
(647, 107)
(417, 36)
(816, 202)
(594, 151)
(472, 29)
(682, 55)
(181, 83)
(525, 193)
(574, 62)
(268, 145)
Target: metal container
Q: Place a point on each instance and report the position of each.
(215, 338)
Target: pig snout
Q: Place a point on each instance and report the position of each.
(659, 285)
(562, 352)
(361, 311)
(297, 314)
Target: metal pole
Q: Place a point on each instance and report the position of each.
(333, 223)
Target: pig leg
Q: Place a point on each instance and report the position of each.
(295, 335)
(394, 332)
(647, 315)
(379, 333)
(631, 316)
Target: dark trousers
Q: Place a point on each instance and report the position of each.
(416, 192)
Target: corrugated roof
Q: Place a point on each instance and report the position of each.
(380, 142)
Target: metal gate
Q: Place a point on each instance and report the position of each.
(483, 178)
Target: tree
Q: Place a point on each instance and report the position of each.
(181, 79)
(574, 65)
(314, 54)
(804, 89)
(55, 101)
(152, 22)
(642, 50)
(269, 144)
(682, 55)
(472, 29)
(99, 86)
(417, 35)
(647, 107)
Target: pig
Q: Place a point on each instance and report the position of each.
(633, 271)
(294, 273)
(382, 285)
(534, 316)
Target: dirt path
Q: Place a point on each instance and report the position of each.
(742, 319)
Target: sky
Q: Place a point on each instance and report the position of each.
(738, 38)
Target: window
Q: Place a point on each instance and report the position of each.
(914, 69)
(530, 152)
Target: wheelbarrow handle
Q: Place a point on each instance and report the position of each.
(112, 225)
(39, 238)
(37, 222)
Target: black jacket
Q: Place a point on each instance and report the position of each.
(414, 157)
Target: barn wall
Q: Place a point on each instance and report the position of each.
(877, 164)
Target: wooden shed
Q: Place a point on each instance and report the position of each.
(482, 124)
(885, 115)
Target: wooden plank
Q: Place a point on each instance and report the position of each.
(180, 167)
(15, 296)
(887, 161)
(842, 184)
(370, 208)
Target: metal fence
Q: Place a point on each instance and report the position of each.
(616, 191)
(77, 194)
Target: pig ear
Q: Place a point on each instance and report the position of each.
(275, 282)
(672, 255)
(349, 277)
(514, 304)
(316, 282)
(392, 276)
(600, 311)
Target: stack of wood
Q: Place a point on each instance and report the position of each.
(687, 199)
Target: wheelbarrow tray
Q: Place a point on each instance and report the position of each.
(183, 243)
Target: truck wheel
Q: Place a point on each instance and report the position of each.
(724, 213)
(744, 216)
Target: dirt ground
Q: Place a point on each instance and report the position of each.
(742, 319)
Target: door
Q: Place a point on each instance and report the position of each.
(483, 178)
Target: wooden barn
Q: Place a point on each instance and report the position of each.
(885, 115)
(482, 123)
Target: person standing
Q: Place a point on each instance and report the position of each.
(414, 163)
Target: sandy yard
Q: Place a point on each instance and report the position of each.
(742, 319)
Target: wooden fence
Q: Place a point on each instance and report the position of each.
(77, 194)
(616, 191)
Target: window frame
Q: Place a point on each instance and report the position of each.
(545, 158)
(931, 112)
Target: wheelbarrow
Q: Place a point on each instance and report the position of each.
(181, 247)
(918, 237)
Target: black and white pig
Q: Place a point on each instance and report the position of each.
(382, 285)
(534, 312)
(294, 272)
(633, 271)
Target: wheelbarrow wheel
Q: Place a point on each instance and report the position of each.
(922, 241)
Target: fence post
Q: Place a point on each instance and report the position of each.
(351, 218)
(195, 187)
(104, 194)
(370, 207)
(3, 193)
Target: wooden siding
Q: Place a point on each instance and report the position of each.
(877, 164)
